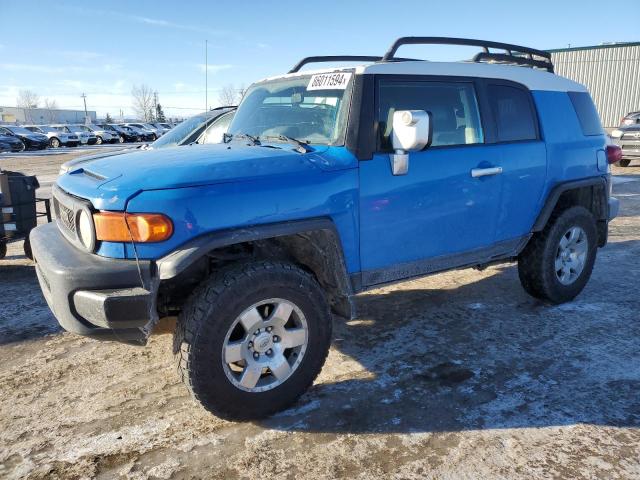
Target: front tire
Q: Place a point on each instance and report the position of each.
(252, 338)
(99, 141)
(625, 162)
(556, 264)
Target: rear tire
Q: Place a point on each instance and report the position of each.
(554, 273)
(54, 143)
(99, 141)
(229, 310)
(625, 162)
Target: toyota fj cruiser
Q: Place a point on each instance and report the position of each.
(330, 182)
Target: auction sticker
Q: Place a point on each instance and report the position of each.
(329, 81)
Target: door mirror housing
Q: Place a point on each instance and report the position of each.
(412, 131)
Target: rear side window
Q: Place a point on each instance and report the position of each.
(586, 112)
(453, 107)
(513, 112)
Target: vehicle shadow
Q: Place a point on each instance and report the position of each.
(483, 355)
(24, 314)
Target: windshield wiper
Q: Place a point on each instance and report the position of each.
(230, 136)
(301, 147)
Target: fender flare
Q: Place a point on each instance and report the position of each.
(559, 189)
(180, 259)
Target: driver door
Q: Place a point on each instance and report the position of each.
(437, 214)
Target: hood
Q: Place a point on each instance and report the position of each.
(124, 175)
(630, 128)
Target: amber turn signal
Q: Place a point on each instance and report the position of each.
(139, 227)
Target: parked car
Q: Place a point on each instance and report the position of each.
(102, 135)
(56, 137)
(164, 126)
(330, 183)
(632, 118)
(10, 143)
(31, 140)
(148, 132)
(205, 128)
(627, 137)
(86, 138)
(125, 134)
(145, 134)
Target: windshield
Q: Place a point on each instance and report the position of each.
(182, 131)
(296, 107)
(20, 130)
(46, 129)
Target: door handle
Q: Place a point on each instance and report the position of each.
(483, 172)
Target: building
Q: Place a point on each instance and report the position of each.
(611, 72)
(41, 116)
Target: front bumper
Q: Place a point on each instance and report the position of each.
(103, 298)
(630, 148)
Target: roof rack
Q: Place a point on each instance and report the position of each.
(514, 54)
(342, 58)
(333, 58)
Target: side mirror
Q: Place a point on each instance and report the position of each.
(411, 132)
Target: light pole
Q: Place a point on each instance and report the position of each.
(86, 116)
(206, 76)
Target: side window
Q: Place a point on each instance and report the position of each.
(587, 113)
(513, 113)
(453, 107)
(217, 129)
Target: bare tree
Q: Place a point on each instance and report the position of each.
(51, 105)
(231, 95)
(143, 102)
(27, 99)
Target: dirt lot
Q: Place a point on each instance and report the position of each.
(459, 375)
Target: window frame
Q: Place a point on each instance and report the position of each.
(491, 134)
(472, 81)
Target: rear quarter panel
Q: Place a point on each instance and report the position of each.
(570, 154)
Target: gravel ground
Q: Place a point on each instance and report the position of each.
(458, 375)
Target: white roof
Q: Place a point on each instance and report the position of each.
(532, 78)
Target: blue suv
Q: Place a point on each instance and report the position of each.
(330, 182)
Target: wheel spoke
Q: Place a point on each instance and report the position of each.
(293, 337)
(251, 375)
(564, 241)
(559, 263)
(581, 247)
(233, 352)
(280, 367)
(250, 319)
(281, 314)
(573, 235)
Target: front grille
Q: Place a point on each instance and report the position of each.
(66, 208)
(631, 136)
(66, 216)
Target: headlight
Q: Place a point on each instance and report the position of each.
(617, 133)
(63, 169)
(86, 231)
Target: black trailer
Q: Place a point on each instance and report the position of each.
(20, 209)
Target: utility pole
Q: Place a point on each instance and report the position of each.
(206, 76)
(86, 116)
(155, 106)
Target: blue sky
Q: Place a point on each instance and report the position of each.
(64, 48)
